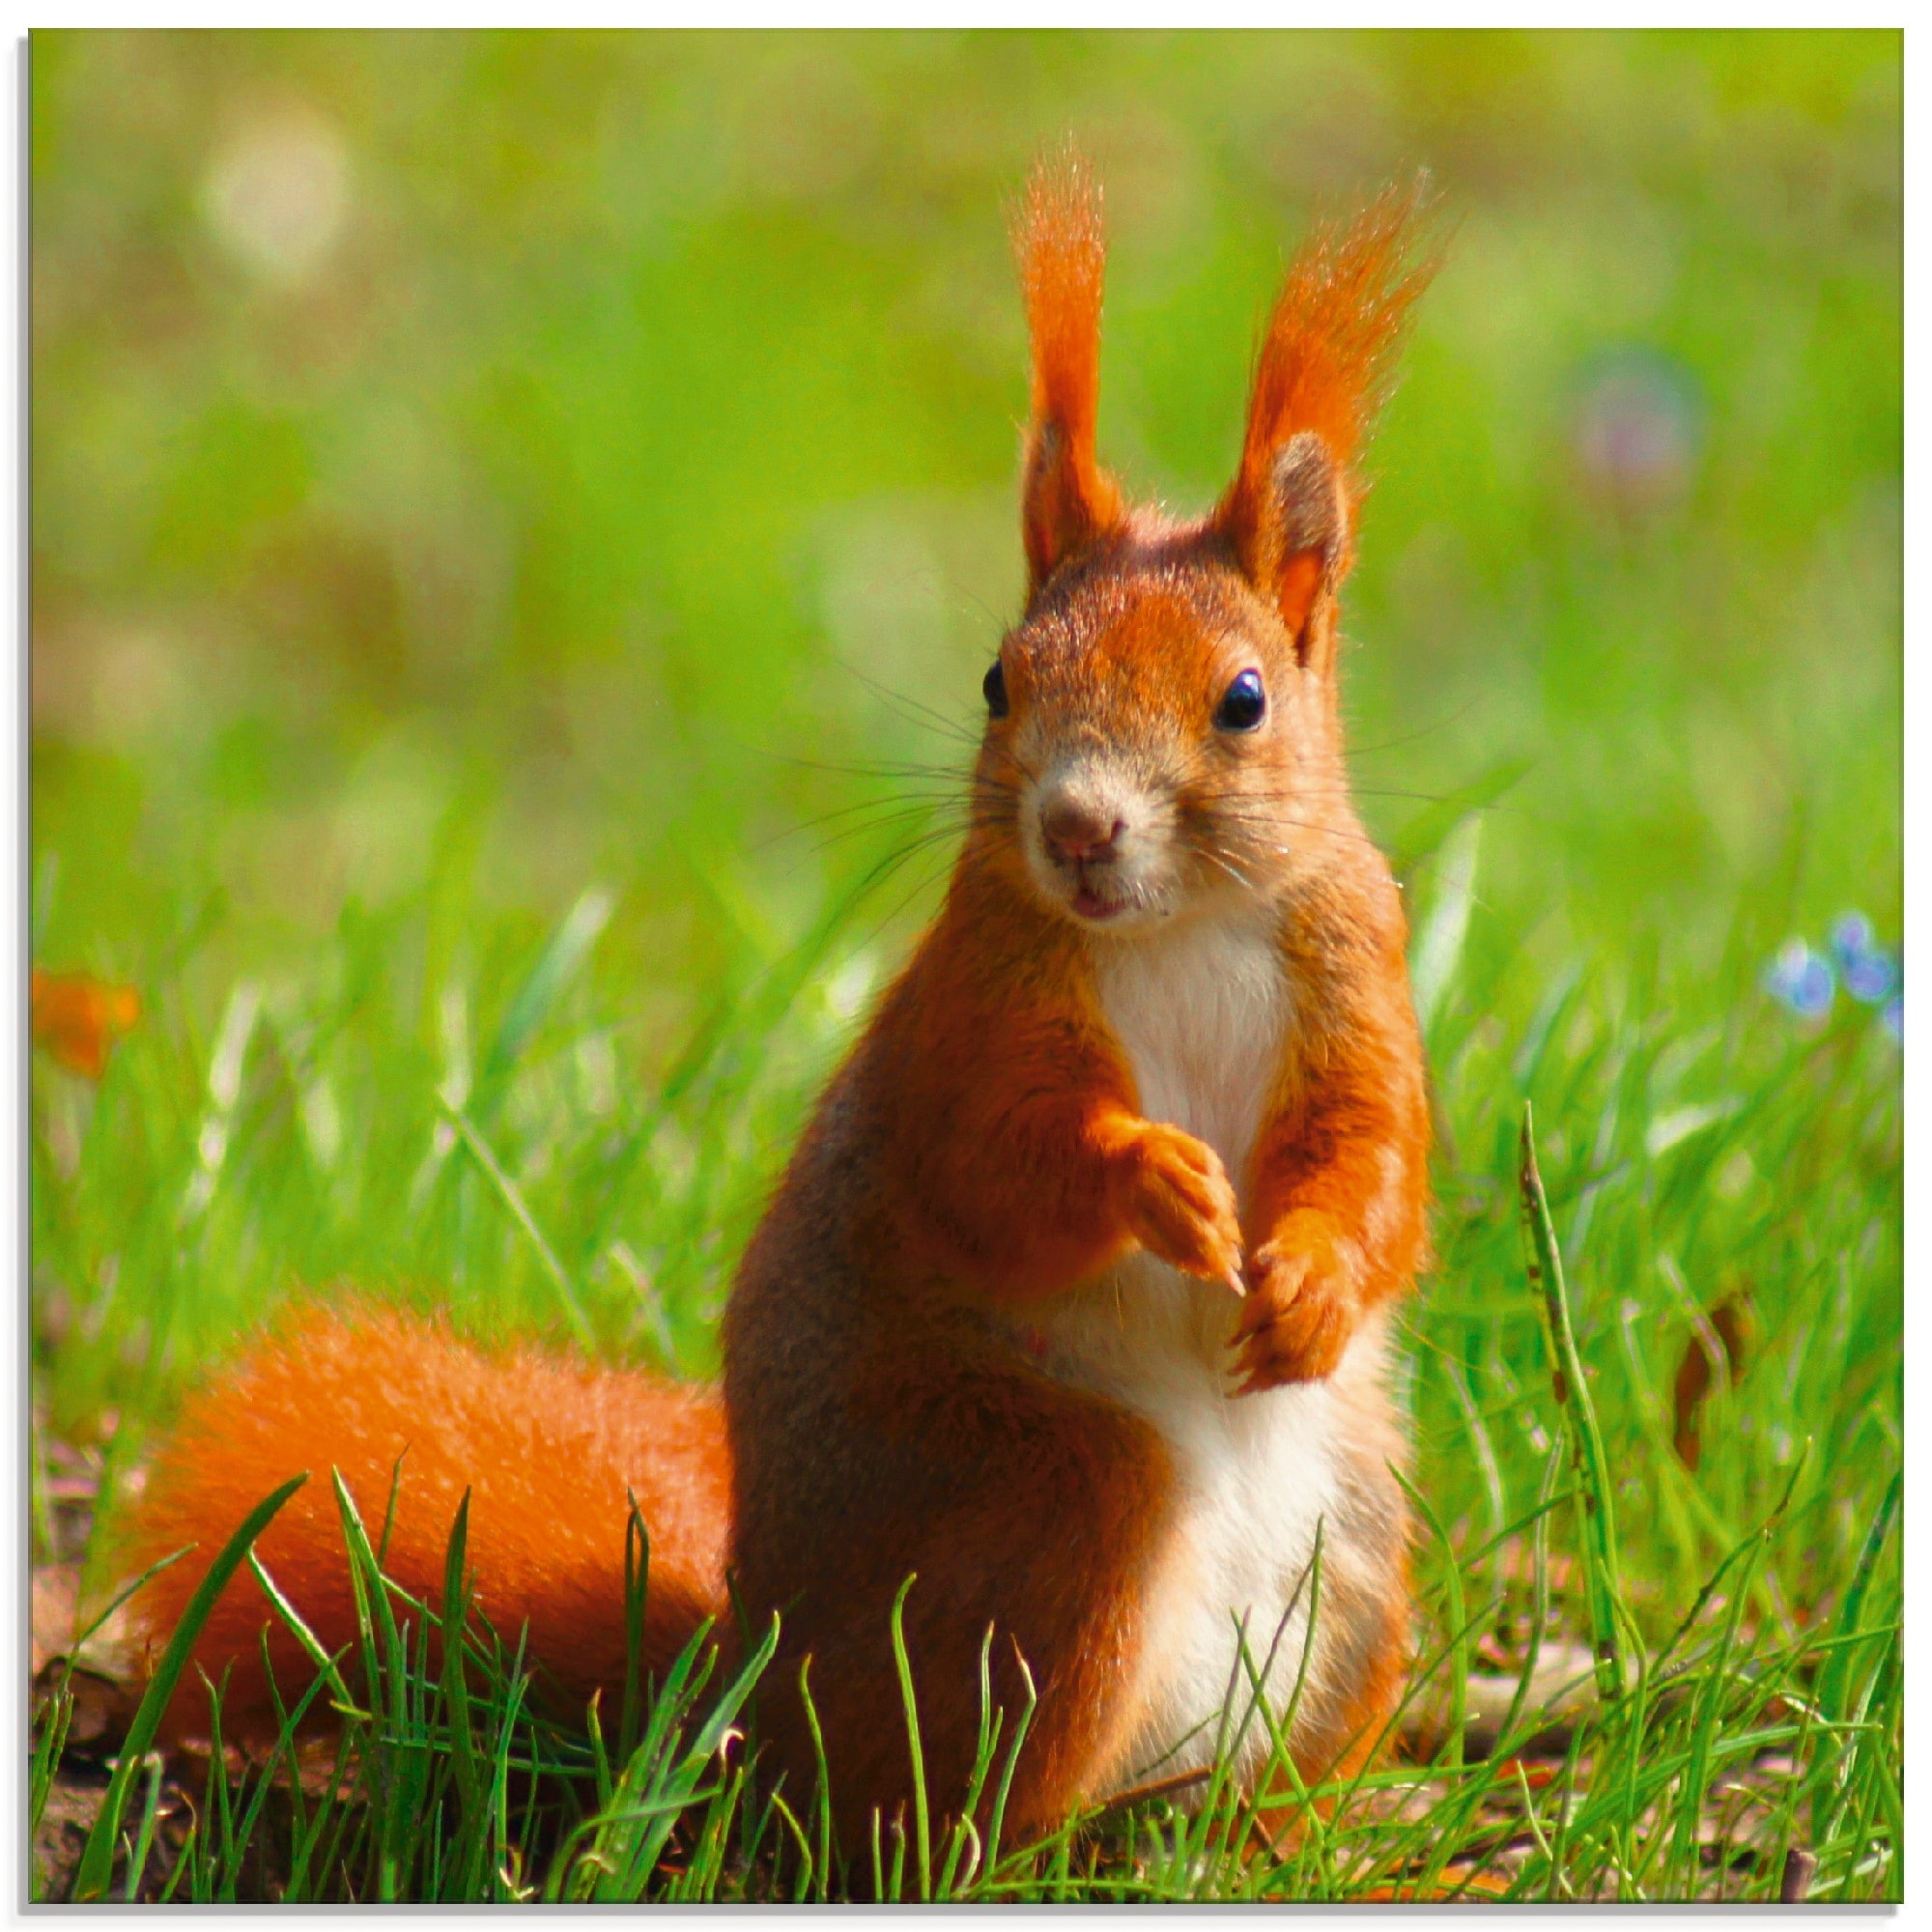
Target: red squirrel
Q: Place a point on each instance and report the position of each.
(1074, 1300)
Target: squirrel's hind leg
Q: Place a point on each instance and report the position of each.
(1050, 1534)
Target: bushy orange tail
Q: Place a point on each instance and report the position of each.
(548, 1450)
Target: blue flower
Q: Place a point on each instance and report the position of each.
(1800, 979)
(1870, 971)
(1850, 935)
(1892, 1017)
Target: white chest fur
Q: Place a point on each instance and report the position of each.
(1202, 1016)
(1199, 1013)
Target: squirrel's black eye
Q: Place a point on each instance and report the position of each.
(1243, 704)
(995, 688)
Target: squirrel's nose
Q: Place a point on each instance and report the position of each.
(1078, 834)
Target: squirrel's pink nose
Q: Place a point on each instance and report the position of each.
(1078, 834)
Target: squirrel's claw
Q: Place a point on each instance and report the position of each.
(1182, 1206)
(1296, 1321)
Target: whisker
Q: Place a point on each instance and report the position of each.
(897, 858)
(1425, 731)
(946, 774)
(946, 829)
(1310, 793)
(884, 872)
(869, 814)
(898, 907)
(1269, 820)
(910, 707)
(1227, 864)
(895, 799)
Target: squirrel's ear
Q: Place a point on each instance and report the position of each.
(1300, 542)
(1067, 498)
(1290, 511)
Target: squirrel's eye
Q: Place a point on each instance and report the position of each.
(1243, 704)
(995, 688)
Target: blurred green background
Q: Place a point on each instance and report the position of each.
(562, 416)
(473, 472)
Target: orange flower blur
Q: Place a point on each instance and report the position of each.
(77, 1018)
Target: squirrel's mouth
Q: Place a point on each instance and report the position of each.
(1098, 893)
(1089, 904)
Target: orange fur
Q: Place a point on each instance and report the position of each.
(974, 1337)
(1337, 1224)
(1069, 498)
(1323, 366)
(547, 1449)
(1334, 335)
(983, 1148)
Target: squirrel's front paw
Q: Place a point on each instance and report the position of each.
(1180, 1205)
(1301, 1309)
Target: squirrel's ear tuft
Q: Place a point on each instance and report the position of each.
(1068, 500)
(1322, 371)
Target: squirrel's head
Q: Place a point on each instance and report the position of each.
(1162, 727)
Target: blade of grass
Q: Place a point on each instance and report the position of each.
(556, 965)
(1539, 1599)
(964, 1833)
(1020, 1730)
(286, 1723)
(383, 1650)
(1833, 1684)
(1573, 1397)
(637, 1584)
(1835, 1680)
(96, 1859)
(822, 1788)
(56, 1715)
(217, 1806)
(144, 1839)
(910, 1704)
(513, 1199)
(1438, 944)
(455, 1683)
(329, 1666)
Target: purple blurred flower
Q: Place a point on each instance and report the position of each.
(1870, 978)
(1637, 430)
(1851, 934)
(1800, 979)
(1892, 1017)
(1868, 970)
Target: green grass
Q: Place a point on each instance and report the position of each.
(446, 662)
(1757, 1602)
(454, 1790)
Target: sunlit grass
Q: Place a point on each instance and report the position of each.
(518, 1179)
